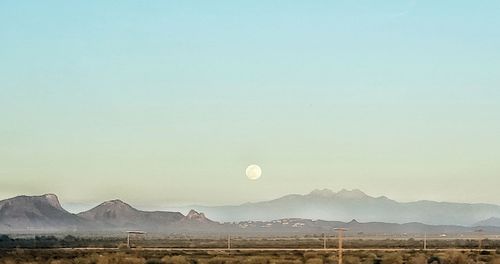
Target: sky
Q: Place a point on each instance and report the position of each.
(167, 102)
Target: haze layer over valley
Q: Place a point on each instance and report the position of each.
(318, 211)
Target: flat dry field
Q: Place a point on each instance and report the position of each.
(250, 256)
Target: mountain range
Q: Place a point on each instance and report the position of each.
(289, 214)
(354, 204)
(44, 213)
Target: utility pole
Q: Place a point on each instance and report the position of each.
(425, 241)
(480, 238)
(340, 232)
(229, 242)
(324, 241)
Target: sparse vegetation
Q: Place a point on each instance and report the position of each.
(392, 258)
(75, 256)
(309, 242)
(64, 250)
(351, 260)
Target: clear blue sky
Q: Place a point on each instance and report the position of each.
(167, 102)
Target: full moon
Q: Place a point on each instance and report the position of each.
(253, 172)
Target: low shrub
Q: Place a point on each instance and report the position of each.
(392, 258)
(175, 260)
(314, 261)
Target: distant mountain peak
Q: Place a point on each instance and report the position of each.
(344, 193)
(116, 205)
(52, 200)
(322, 192)
(193, 215)
(50, 196)
(353, 221)
(36, 213)
(352, 194)
(109, 210)
(119, 214)
(115, 202)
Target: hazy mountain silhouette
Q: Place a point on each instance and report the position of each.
(117, 214)
(37, 213)
(345, 205)
(45, 214)
(492, 221)
(308, 226)
(30, 214)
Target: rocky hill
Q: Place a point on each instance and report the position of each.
(38, 213)
(117, 214)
